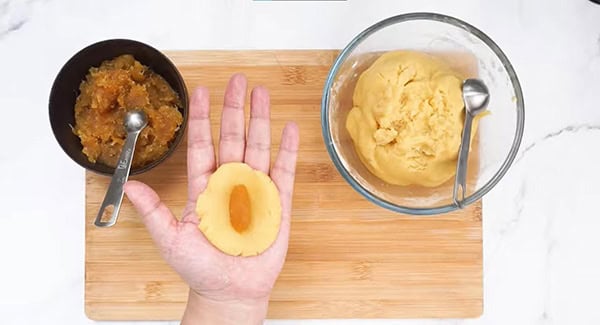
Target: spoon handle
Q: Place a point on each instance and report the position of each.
(114, 195)
(461, 167)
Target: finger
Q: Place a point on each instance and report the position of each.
(258, 147)
(201, 152)
(284, 168)
(159, 220)
(232, 141)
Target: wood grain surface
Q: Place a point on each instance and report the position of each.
(347, 258)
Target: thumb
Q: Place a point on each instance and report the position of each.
(157, 217)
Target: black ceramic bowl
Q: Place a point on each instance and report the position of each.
(66, 89)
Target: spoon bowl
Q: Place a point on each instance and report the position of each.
(135, 121)
(475, 95)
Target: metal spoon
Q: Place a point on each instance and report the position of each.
(135, 122)
(476, 97)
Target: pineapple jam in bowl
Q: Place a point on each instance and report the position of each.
(96, 88)
(392, 112)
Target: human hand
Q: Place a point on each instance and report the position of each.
(223, 288)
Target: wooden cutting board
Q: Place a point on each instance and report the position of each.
(347, 258)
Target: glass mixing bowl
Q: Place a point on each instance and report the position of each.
(466, 49)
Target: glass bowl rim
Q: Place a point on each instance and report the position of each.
(327, 134)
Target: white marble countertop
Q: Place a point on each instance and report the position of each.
(541, 242)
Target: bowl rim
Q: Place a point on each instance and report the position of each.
(180, 134)
(327, 135)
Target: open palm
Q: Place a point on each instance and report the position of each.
(209, 272)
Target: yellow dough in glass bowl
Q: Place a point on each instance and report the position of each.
(240, 210)
(407, 119)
